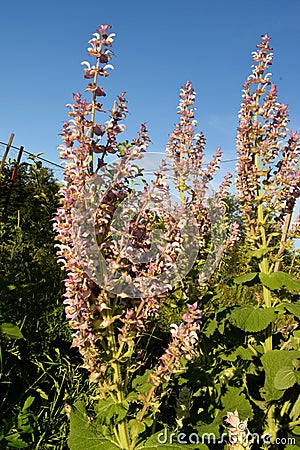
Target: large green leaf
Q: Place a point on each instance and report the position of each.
(276, 280)
(273, 361)
(84, 435)
(251, 319)
(234, 399)
(11, 331)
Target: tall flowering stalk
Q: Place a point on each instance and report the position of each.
(108, 326)
(268, 175)
(192, 177)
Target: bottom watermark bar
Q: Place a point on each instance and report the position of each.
(166, 437)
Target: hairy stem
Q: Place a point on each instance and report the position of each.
(122, 428)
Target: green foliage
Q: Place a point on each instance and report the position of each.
(38, 374)
(11, 331)
(85, 435)
(274, 362)
(14, 431)
(234, 399)
(277, 280)
(249, 318)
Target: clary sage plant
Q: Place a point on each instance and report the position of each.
(125, 244)
(112, 303)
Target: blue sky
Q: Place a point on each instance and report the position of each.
(159, 45)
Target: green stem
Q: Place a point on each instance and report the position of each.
(118, 383)
(264, 264)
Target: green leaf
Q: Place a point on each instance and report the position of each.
(259, 253)
(106, 409)
(273, 361)
(296, 430)
(84, 435)
(11, 331)
(140, 379)
(251, 319)
(118, 411)
(234, 399)
(210, 327)
(276, 280)
(14, 441)
(294, 308)
(295, 411)
(102, 406)
(136, 428)
(140, 383)
(245, 278)
(132, 396)
(28, 403)
(244, 353)
(297, 375)
(285, 378)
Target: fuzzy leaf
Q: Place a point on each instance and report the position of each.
(107, 409)
(252, 319)
(245, 278)
(136, 428)
(273, 361)
(85, 436)
(102, 406)
(297, 375)
(235, 399)
(276, 280)
(293, 308)
(285, 378)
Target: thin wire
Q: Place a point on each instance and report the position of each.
(32, 154)
(61, 168)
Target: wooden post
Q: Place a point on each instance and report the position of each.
(13, 177)
(6, 151)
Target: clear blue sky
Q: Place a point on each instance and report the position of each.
(159, 45)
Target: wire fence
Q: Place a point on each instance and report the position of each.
(56, 168)
(13, 153)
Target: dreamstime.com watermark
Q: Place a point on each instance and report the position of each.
(168, 438)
